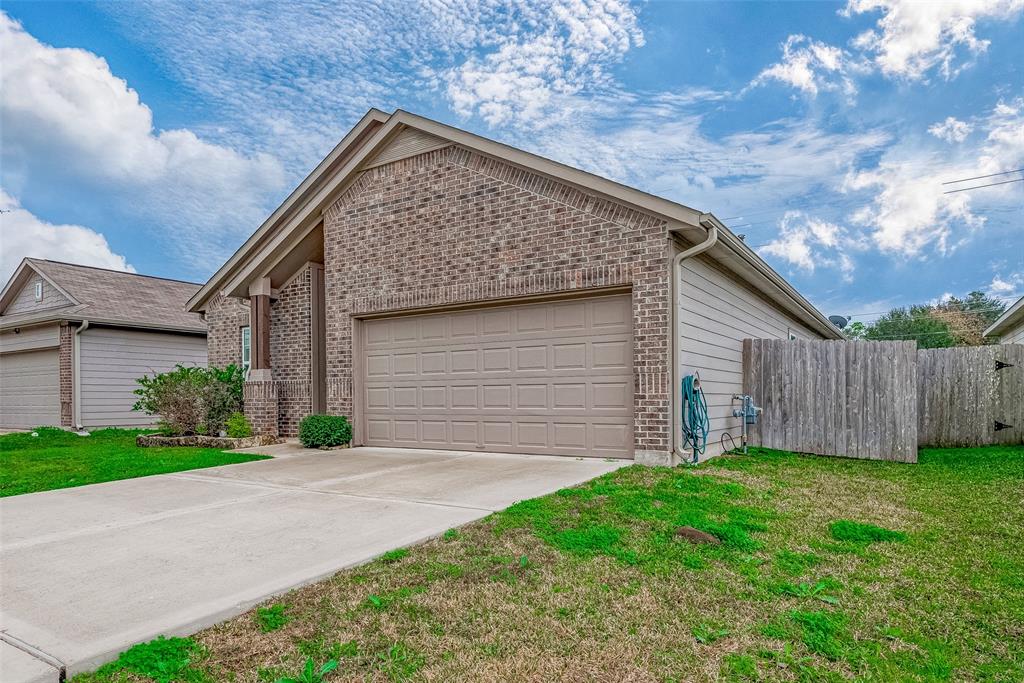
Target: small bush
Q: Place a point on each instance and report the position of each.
(325, 431)
(856, 532)
(191, 400)
(238, 426)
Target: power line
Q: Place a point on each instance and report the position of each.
(978, 187)
(979, 177)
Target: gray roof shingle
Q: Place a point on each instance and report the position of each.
(112, 296)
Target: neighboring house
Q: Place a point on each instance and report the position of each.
(1009, 327)
(73, 340)
(447, 291)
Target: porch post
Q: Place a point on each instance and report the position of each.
(259, 323)
(261, 399)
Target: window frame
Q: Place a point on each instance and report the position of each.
(38, 290)
(245, 340)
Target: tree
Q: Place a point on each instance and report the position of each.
(954, 322)
(915, 323)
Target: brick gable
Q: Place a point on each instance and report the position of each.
(452, 226)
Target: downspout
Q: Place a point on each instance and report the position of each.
(76, 377)
(706, 221)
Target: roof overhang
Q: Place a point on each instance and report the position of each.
(57, 315)
(295, 201)
(301, 214)
(1012, 316)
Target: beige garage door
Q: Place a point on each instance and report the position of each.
(29, 389)
(550, 378)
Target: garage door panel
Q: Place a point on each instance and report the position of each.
(29, 389)
(540, 378)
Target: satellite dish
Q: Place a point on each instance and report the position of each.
(838, 320)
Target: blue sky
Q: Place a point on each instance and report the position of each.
(157, 136)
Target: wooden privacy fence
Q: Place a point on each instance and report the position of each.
(970, 396)
(853, 399)
(881, 400)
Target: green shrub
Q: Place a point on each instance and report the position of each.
(324, 431)
(238, 426)
(190, 400)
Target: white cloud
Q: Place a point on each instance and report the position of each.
(518, 81)
(294, 78)
(912, 38)
(68, 120)
(1006, 286)
(658, 144)
(911, 210)
(24, 234)
(811, 65)
(808, 242)
(951, 130)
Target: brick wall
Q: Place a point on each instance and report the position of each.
(66, 375)
(290, 352)
(452, 226)
(261, 407)
(225, 318)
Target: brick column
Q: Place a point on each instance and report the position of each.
(261, 406)
(65, 360)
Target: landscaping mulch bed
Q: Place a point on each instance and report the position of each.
(201, 441)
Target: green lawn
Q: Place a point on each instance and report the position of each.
(828, 570)
(57, 459)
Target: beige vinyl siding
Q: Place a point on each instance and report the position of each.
(28, 338)
(25, 301)
(112, 359)
(1014, 335)
(717, 312)
(407, 143)
(29, 389)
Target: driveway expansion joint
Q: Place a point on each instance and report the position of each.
(33, 651)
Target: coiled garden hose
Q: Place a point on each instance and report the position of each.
(694, 414)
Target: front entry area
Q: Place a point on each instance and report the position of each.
(552, 378)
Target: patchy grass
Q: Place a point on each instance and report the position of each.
(591, 583)
(57, 459)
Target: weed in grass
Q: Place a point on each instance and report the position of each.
(392, 556)
(400, 662)
(589, 540)
(818, 591)
(376, 602)
(739, 667)
(310, 673)
(706, 633)
(271, 618)
(863, 534)
(795, 564)
(451, 535)
(822, 632)
(164, 660)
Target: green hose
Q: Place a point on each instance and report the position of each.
(695, 423)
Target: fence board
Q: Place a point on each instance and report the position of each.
(834, 398)
(961, 395)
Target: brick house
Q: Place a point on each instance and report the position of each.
(447, 291)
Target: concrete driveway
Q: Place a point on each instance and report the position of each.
(87, 572)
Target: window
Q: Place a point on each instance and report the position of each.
(246, 349)
(39, 290)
